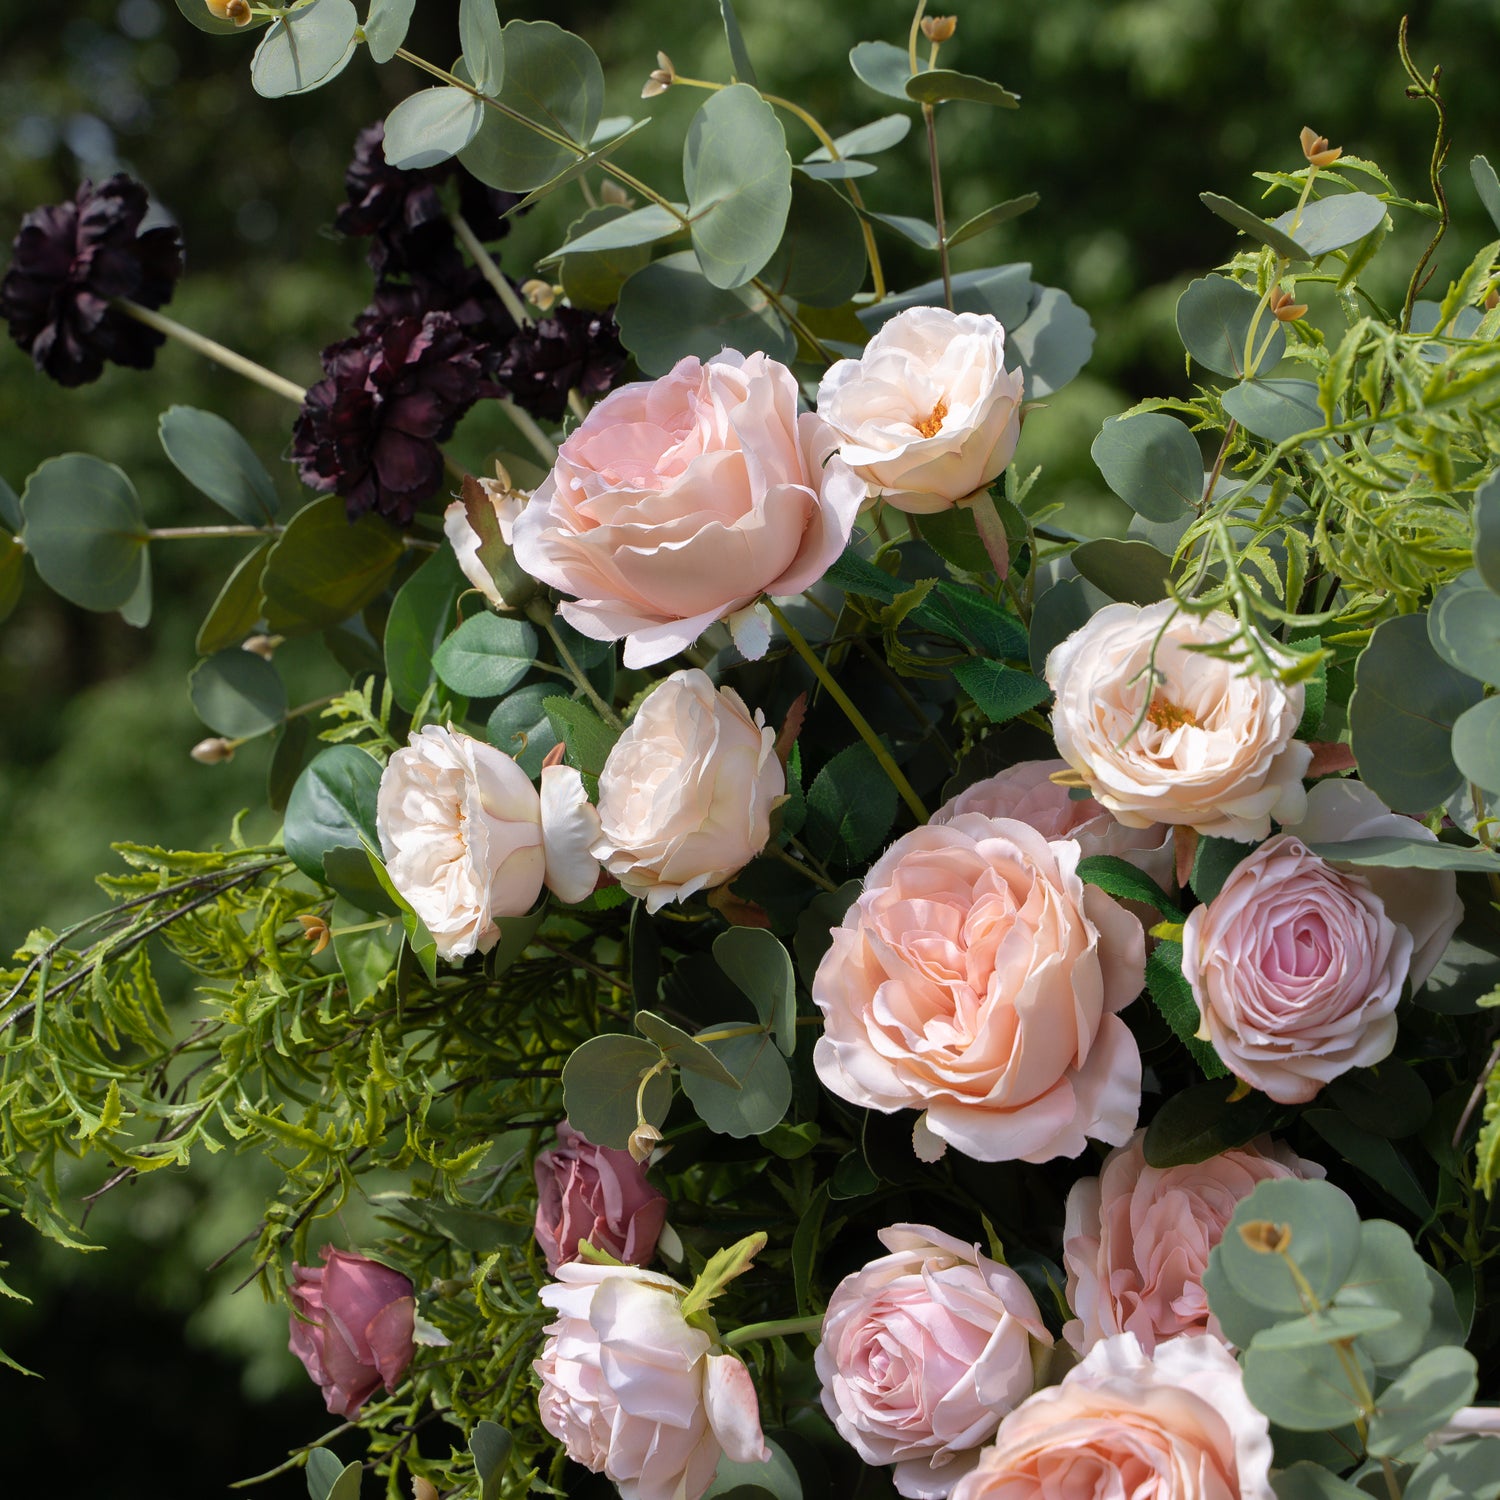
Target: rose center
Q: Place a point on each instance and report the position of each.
(1165, 714)
(932, 423)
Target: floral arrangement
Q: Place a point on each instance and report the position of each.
(805, 975)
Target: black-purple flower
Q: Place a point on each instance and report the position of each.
(67, 263)
(569, 349)
(370, 429)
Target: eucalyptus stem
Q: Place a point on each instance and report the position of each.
(490, 271)
(779, 1328)
(539, 614)
(530, 431)
(210, 349)
(929, 118)
(1426, 89)
(186, 533)
(857, 719)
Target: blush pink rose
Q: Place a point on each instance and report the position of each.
(1296, 970)
(977, 978)
(1176, 1426)
(1200, 743)
(1136, 1238)
(686, 795)
(634, 1392)
(1424, 902)
(352, 1325)
(680, 501)
(589, 1192)
(928, 415)
(923, 1351)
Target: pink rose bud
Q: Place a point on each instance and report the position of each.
(352, 1325)
(1137, 1238)
(1296, 969)
(923, 1351)
(589, 1192)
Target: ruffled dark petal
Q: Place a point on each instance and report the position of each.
(570, 348)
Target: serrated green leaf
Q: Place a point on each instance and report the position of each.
(1173, 997)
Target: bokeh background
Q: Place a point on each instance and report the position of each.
(157, 1379)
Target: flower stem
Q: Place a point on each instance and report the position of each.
(799, 867)
(780, 1328)
(857, 719)
(490, 271)
(929, 118)
(212, 350)
(180, 533)
(530, 431)
(538, 613)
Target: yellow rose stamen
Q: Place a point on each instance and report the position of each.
(1165, 714)
(932, 424)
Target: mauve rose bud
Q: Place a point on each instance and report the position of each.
(352, 1325)
(589, 1192)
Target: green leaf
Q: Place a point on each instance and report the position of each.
(834, 171)
(1457, 1471)
(237, 693)
(420, 617)
(430, 126)
(482, 44)
(1304, 1390)
(490, 1444)
(1391, 852)
(1421, 1399)
(621, 231)
(852, 1177)
(937, 85)
(883, 67)
(325, 568)
(305, 49)
(918, 231)
(744, 71)
(520, 727)
(999, 213)
(386, 27)
(1119, 878)
(367, 959)
(820, 261)
(1324, 1229)
(1275, 409)
(1401, 716)
(1463, 626)
(1060, 610)
(815, 926)
(1053, 344)
(332, 806)
(602, 152)
(1373, 1155)
(774, 1479)
(850, 807)
(739, 184)
(1131, 572)
(722, 1267)
(1200, 1121)
(764, 1094)
(362, 881)
(1476, 744)
(1329, 1326)
(205, 20)
(1213, 860)
(85, 530)
(11, 516)
(1389, 1274)
(553, 79)
(1487, 185)
(1172, 995)
(323, 1471)
(681, 1050)
(600, 1082)
(759, 966)
(486, 656)
(1309, 1481)
(1487, 531)
(593, 278)
(587, 738)
(237, 609)
(211, 455)
(1251, 223)
(292, 745)
(1329, 224)
(669, 310)
(868, 140)
(969, 616)
(1213, 322)
(1389, 1099)
(1153, 463)
(1000, 692)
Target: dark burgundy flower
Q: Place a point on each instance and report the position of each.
(370, 429)
(68, 261)
(569, 348)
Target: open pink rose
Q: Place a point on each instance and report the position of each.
(634, 1392)
(680, 501)
(928, 414)
(1296, 969)
(923, 1352)
(977, 978)
(352, 1325)
(1196, 742)
(1424, 902)
(589, 1192)
(1177, 1426)
(1137, 1238)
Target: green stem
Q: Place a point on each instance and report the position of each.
(529, 429)
(490, 271)
(799, 867)
(212, 350)
(777, 1329)
(538, 613)
(857, 719)
(929, 118)
(185, 533)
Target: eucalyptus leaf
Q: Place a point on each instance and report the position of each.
(237, 693)
(600, 1083)
(520, 727)
(1152, 462)
(1214, 316)
(883, 67)
(324, 568)
(602, 151)
(1328, 224)
(305, 49)
(421, 615)
(1251, 223)
(1330, 1325)
(761, 969)
(491, 1446)
(868, 140)
(1487, 185)
(1463, 626)
(1458, 1471)
(835, 171)
(593, 278)
(1310, 1481)
(641, 226)
(1132, 572)
(332, 806)
(431, 126)
(235, 612)
(85, 530)
(1388, 1273)
(820, 261)
(1275, 409)
(136, 610)
(939, 85)
(1305, 1390)
(386, 26)
(681, 1050)
(212, 456)
(1487, 531)
(1395, 853)
(1052, 344)
(764, 1094)
(774, 1478)
(917, 231)
(999, 213)
(1420, 1399)
(744, 70)
(1007, 293)
(486, 656)
(11, 516)
(482, 43)
(1323, 1232)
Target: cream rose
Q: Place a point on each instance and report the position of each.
(1136, 1238)
(633, 1392)
(1296, 970)
(1178, 1426)
(686, 794)
(680, 501)
(462, 833)
(923, 1351)
(1197, 744)
(977, 978)
(928, 414)
(465, 541)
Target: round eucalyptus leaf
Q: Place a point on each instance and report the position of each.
(593, 278)
(1239, 1318)
(1152, 462)
(332, 806)
(520, 727)
(1052, 343)
(1130, 572)
(739, 184)
(1275, 409)
(744, 69)
(764, 1094)
(305, 49)
(1406, 701)
(1476, 744)
(1320, 1227)
(761, 969)
(867, 140)
(324, 567)
(431, 125)
(136, 610)
(1332, 223)
(601, 1080)
(386, 26)
(681, 1050)
(1420, 1399)
(486, 656)
(1487, 531)
(883, 67)
(1305, 1390)
(1458, 1471)
(1487, 185)
(237, 693)
(85, 531)
(483, 45)
(205, 20)
(1007, 293)
(1310, 1481)
(1213, 322)
(421, 615)
(1389, 1275)
(211, 455)
(820, 261)
(669, 309)
(775, 1478)
(836, 171)
(1331, 1326)
(938, 85)
(641, 226)
(1464, 627)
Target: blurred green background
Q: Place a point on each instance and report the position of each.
(1130, 110)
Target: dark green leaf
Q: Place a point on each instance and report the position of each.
(1373, 1155)
(421, 615)
(774, 1479)
(1332, 223)
(1464, 627)
(490, 1444)
(431, 126)
(357, 878)
(1060, 610)
(935, 85)
(1389, 1099)
(385, 27)
(1153, 463)
(238, 607)
(520, 727)
(681, 1050)
(486, 656)
(11, 516)
(1275, 409)
(744, 71)
(600, 1083)
(325, 568)
(237, 693)
(85, 530)
(483, 46)
(367, 958)
(332, 806)
(850, 807)
(1131, 572)
(815, 926)
(1251, 223)
(292, 745)
(1213, 859)
(761, 969)
(516, 934)
(1410, 854)
(1198, 1122)
(852, 1177)
(953, 535)
(1173, 997)
(868, 140)
(1487, 186)
(1000, 692)
(1000, 213)
(593, 278)
(1213, 321)
(1308, 1481)
(587, 737)
(969, 616)
(1007, 293)
(885, 68)
(305, 49)
(211, 455)
(1119, 878)
(820, 261)
(1421, 1399)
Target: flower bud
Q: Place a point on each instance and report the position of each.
(263, 646)
(939, 28)
(237, 11)
(1283, 309)
(612, 193)
(644, 1139)
(423, 1489)
(663, 75)
(540, 294)
(316, 931)
(212, 752)
(1316, 149)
